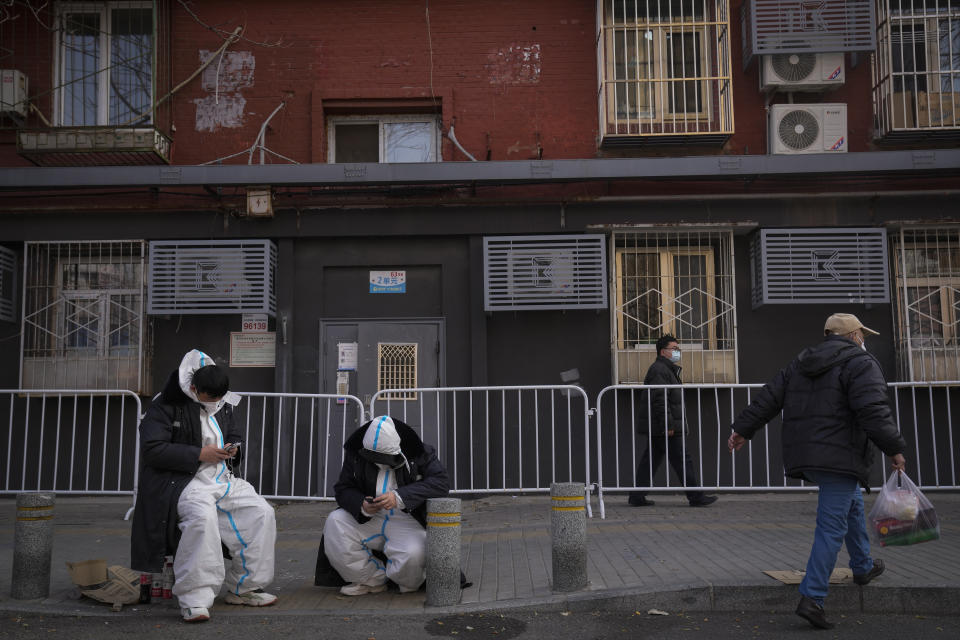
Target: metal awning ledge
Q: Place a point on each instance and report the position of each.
(506, 172)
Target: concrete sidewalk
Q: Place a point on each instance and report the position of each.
(668, 556)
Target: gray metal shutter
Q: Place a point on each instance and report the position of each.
(816, 266)
(545, 272)
(215, 276)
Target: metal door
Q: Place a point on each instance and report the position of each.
(389, 353)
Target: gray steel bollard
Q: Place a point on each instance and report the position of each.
(443, 551)
(568, 523)
(32, 546)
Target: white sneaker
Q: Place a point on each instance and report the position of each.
(258, 598)
(195, 614)
(359, 589)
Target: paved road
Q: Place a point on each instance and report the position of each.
(517, 624)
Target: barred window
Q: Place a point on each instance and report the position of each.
(666, 68)
(679, 284)
(83, 322)
(927, 267)
(397, 369)
(917, 66)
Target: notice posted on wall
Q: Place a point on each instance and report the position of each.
(249, 349)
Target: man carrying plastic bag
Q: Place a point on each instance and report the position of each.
(834, 404)
(902, 515)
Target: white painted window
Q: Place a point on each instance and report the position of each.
(395, 138)
(679, 284)
(83, 324)
(927, 267)
(104, 63)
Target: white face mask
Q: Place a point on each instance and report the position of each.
(212, 407)
(675, 355)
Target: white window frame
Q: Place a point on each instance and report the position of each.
(103, 10)
(383, 121)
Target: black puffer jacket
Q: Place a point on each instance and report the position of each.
(835, 403)
(425, 478)
(663, 402)
(170, 443)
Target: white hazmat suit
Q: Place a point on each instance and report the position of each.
(218, 507)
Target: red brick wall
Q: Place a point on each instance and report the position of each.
(372, 49)
(517, 78)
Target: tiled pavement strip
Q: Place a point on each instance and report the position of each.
(667, 556)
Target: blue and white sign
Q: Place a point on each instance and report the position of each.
(388, 282)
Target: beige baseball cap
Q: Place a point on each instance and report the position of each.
(844, 323)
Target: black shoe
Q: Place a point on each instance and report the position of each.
(640, 501)
(703, 501)
(865, 578)
(813, 613)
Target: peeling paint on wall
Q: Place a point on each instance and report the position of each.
(515, 64)
(223, 81)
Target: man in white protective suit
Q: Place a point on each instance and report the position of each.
(188, 500)
(388, 474)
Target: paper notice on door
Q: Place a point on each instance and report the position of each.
(343, 385)
(346, 356)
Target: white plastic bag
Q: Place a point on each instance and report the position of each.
(902, 515)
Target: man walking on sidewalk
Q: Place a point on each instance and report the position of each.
(834, 402)
(667, 427)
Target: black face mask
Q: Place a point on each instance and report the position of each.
(376, 457)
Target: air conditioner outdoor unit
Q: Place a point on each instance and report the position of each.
(801, 71)
(808, 128)
(13, 94)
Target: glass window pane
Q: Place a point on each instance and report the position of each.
(691, 304)
(641, 297)
(80, 59)
(357, 142)
(684, 51)
(409, 142)
(81, 323)
(131, 57)
(925, 316)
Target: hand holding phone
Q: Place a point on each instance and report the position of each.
(231, 447)
(368, 499)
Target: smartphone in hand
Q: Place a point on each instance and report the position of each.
(230, 447)
(368, 499)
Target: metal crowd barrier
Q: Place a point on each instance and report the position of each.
(293, 442)
(70, 441)
(500, 439)
(924, 413)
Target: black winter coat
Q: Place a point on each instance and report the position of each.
(426, 477)
(835, 403)
(663, 402)
(170, 443)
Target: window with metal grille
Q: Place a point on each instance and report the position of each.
(927, 267)
(679, 284)
(104, 63)
(666, 68)
(397, 369)
(83, 324)
(397, 138)
(917, 66)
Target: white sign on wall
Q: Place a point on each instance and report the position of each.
(253, 349)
